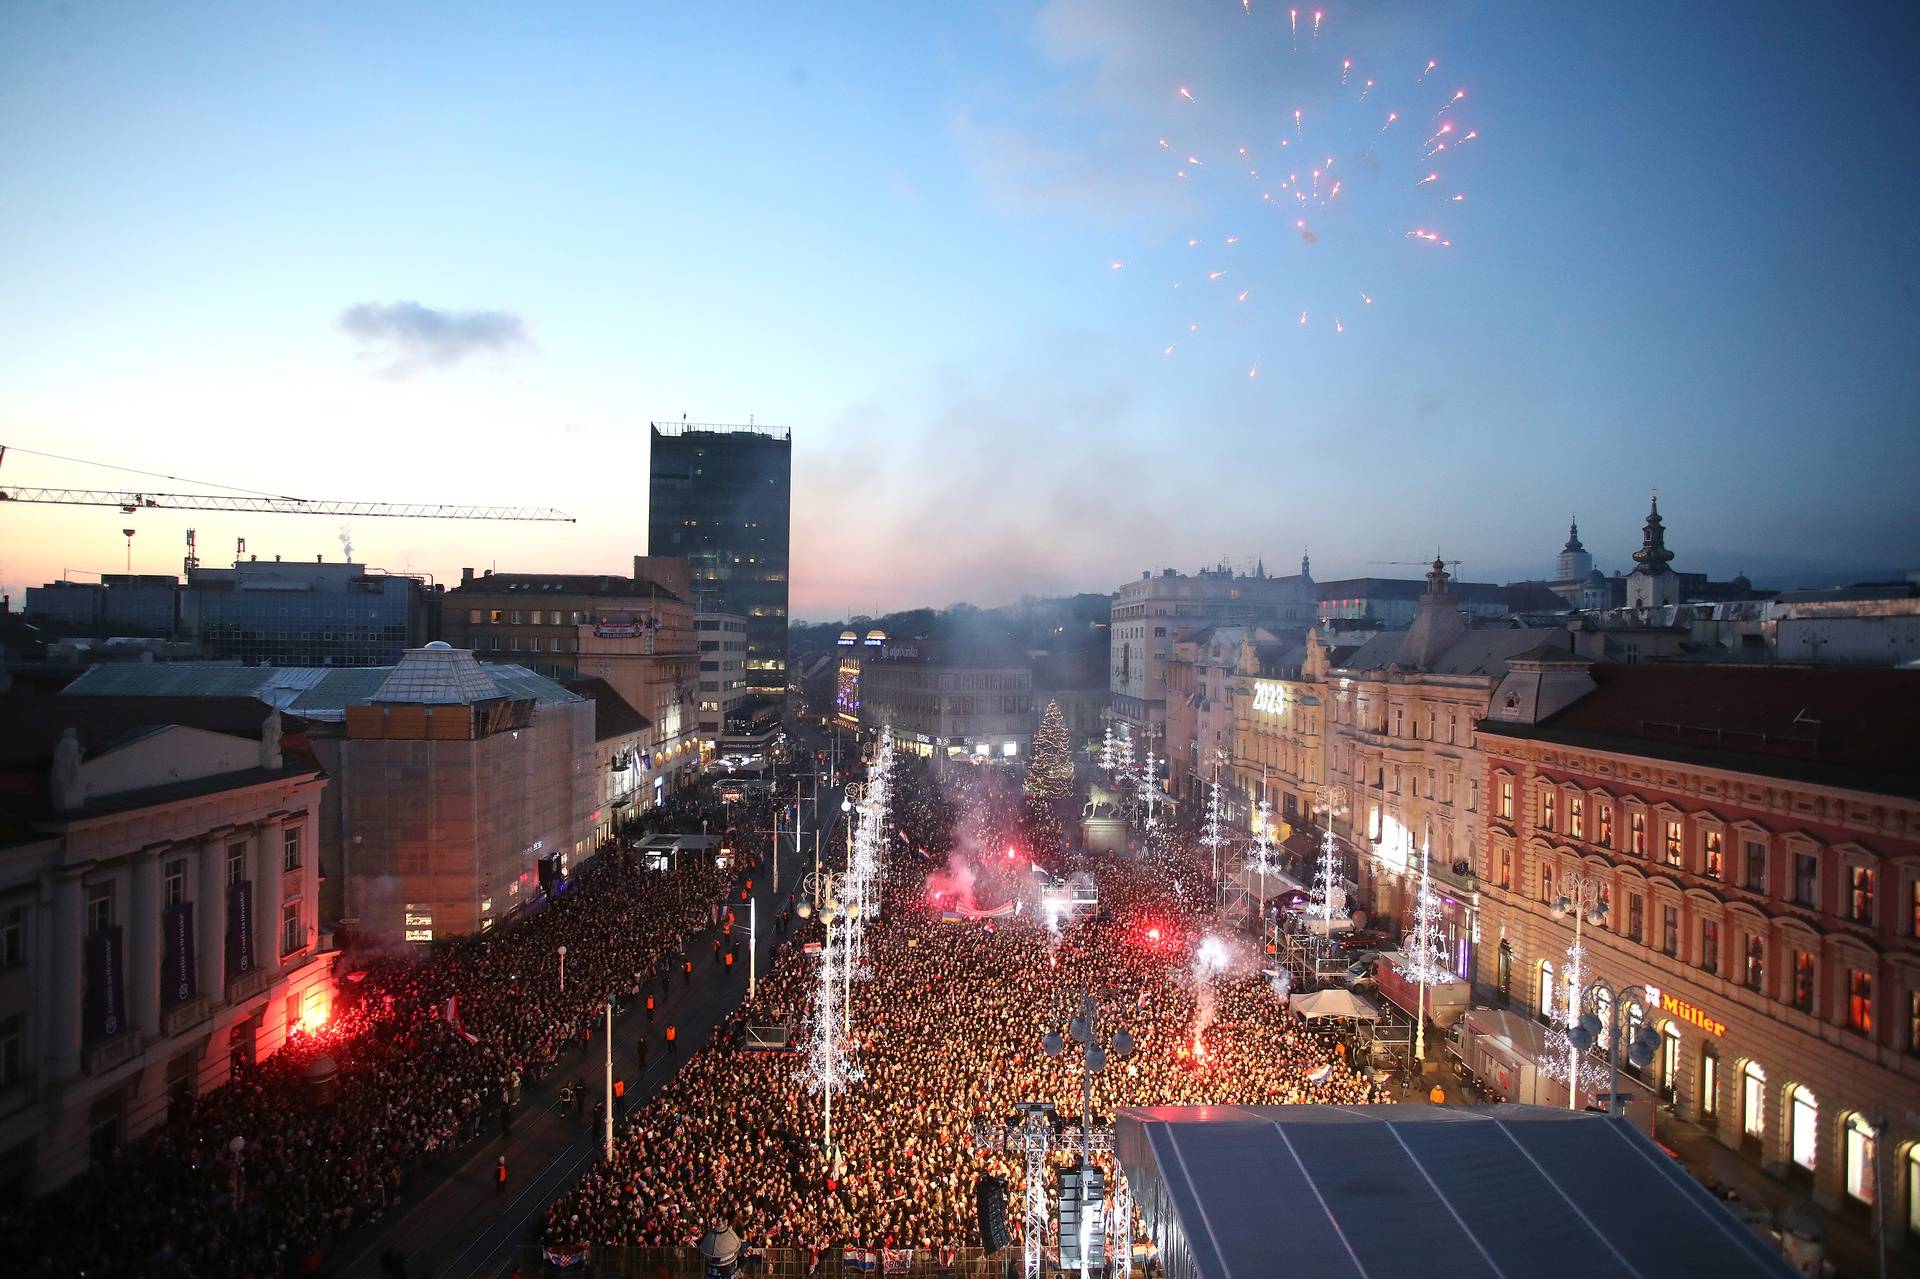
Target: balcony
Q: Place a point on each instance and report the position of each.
(241, 989)
(177, 1021)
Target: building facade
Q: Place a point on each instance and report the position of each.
(535, 619)
(1148, 613)
(139, 603)
(722, 639)
(949, 703)
(720, 496)
(295, 614)
(158, 920)
(1755, 834)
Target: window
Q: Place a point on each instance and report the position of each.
(1709, 1083)
(1756, 866)
(1806, 879)
(1913, 907)
(1637, 834)
(1803, 980)
(1755, 970)
(1712, 858)
(99, 908)
(1860, 894)
(1753, 1101)
(1804, 1126)
(493, 616)
(1546, 882)
(1670, 929)
(1675, 844)
(1503, 979)
(1546, 1003)
(1546, 810)
(1576, 817)
(513, 617)
(1506, 869)
(1913, 1021)
(13, 936)
(13, 1048)
(291, 934)
(1603, 813)
(236, 863)
(1860, 1001)
(1669, 1061)
(1506, 798)
(1605, 898)
(473, 617)
(1859, 1156)
(1710, 945)
(173, 878)
(290, 848)
(1636, 917)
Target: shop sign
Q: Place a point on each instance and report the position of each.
(1684, 1011)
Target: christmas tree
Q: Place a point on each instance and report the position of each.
(1050, 774)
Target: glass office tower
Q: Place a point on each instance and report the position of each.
(720, 496)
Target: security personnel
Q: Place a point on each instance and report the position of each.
(672, 1035)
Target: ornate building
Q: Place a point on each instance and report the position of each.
(1754, 832)
(1653, 583)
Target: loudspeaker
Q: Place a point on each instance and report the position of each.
(1082, 1216)
(990, 1198)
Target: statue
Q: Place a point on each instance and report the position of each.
(69, 789)
(270, 740)
(1101, 802)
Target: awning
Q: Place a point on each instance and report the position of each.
(1334, 1003)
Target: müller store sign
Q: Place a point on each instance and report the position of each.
(1685, 1011)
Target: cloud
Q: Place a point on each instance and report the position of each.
(412, 337)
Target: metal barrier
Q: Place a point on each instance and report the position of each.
(607, 1262)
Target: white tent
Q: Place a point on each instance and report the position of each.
(1335, 1003)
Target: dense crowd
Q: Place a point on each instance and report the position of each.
(948, 1029)
(430, 1049)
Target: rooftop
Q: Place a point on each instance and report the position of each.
(537, 584)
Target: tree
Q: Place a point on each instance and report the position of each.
(1050, 774)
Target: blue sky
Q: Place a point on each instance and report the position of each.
(1684, 260)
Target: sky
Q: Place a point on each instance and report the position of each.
(465, 253)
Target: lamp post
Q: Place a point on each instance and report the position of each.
(562, 952)
(237, 1148)
(828, 1063)
(1646, 1041)
(1580, 900)
(1085, 1030)
(1215, 839)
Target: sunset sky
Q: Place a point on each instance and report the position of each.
(465, 253)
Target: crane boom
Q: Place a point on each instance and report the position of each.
(130, 502)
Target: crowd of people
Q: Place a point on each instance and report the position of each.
(948, 1031)
(431, 1048)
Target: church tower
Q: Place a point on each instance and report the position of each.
(1574, 563)
(1653, 583)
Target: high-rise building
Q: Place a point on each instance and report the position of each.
(720, 496)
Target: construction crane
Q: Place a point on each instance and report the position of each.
(129, 501)
(1452, 564)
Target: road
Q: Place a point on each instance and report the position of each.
(463, 1228)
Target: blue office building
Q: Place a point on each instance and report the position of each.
(297, 614)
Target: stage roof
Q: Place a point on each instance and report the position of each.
(1236, 1192)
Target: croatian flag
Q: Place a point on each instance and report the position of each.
(860, 1261)
(1320, 1076)
(567, 1255)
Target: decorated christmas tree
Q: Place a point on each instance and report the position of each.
(1050, 774)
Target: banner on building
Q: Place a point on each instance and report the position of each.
(239, 928)
(177, 978)
(106, 1002)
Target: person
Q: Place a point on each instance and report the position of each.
(1438, 1096)
(500, 1177)
(649, 1010)
(687, 968)
(672, 1035)
(645, 1046)
(506, 1121)
(579, 1096)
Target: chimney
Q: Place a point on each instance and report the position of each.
(466, 575)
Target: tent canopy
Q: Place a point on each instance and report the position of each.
(1334, 1003)
(1469, 1192)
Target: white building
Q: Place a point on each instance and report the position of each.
(158, 917)
(722, 640)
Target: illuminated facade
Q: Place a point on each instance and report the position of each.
(1757, 833)
(949, 703)
(158, 917)
(723, 674)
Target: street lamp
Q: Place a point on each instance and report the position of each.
(562, 952)
(1215, 839)
(1583, 903)
(1646, 1040)
(1085, 1031)
(236, 1147)
(829, 1063)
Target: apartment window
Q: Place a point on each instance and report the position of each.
(1859, 1158)
(1860, 1001)
(290, 848)
(473, 617)
(1709, 1083)
(1670, 929)
(1546, 810)
(13, 936)
(236, 863)
(292, 936)
(1506, 798)
(1576, 818)
(513, 617)
(1712, 855)
(1753, 1101)
(1860, 894)
(1603, 814)
(1754, 972)
(1913, 1021)
(1637, 834)
(99, 908)
(1806, 879)
(1710, 945)
(1548, 999)
(1756, 866)
(493, 616)
(1636, 917)
(173, 878)
(1676, 844)
(13, 1047)
(1913, 908)
(553, 645)
(1803, 980)
(1506, 869)
(1546, 882)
